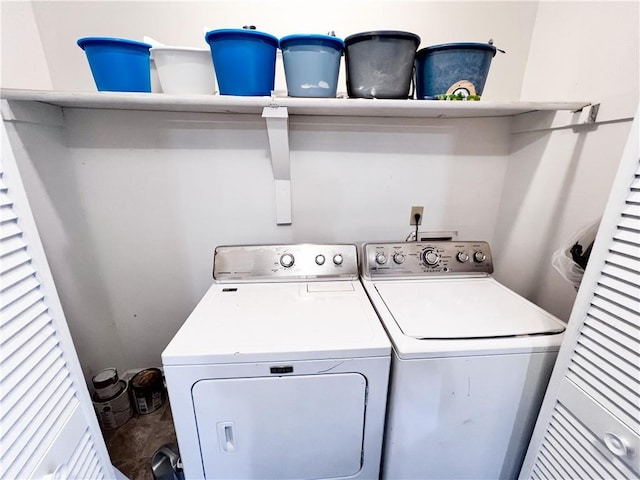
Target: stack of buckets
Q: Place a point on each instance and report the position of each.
(379, 64)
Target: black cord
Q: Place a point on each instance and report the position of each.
(416, 216)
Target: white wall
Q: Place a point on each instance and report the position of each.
(131, 204)
(559, 182)
(22, 58)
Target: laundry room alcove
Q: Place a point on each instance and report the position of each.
(131, 188)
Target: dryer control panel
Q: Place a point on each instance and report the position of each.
(282, 263)
(423, 259)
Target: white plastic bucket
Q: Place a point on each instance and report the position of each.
(183, 70)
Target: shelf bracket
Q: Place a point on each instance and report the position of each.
(277, 119)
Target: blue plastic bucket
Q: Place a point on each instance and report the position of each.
(453, 68)
(244, 61)
(117, 64)
(311, 64)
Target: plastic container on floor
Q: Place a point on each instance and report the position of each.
(311, 64)
(244, 61)
(453, 68)
(380, 64)
(117, 64)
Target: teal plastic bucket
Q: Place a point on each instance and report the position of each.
(244, 61)
(453, 68)
(311, 64)
(117, 64)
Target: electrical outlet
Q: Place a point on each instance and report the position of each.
(412, 219)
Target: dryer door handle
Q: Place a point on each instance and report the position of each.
(226, 437)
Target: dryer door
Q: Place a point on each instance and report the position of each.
(308, 426)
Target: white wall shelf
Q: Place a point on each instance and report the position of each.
(295, 106)
(39, 106)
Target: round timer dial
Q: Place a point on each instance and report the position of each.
(431, 257)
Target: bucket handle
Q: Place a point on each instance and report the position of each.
(490, 42)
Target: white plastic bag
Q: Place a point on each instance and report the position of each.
(563, 261)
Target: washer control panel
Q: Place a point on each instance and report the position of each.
(259, 263)
(430, 258)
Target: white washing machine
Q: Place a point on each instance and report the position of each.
(470, 365)
(281, 371)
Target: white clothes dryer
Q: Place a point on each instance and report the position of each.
(470, 365)
(281, 371)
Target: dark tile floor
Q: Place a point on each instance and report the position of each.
(132, 445)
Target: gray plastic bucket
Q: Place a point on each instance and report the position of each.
(453, 67)
(311, 64)
(380, 64)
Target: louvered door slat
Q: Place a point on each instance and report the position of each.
(5, 201)
(610, 337)
(15, 276)
(10, 230)
(554, 463)
(635, 184)
(630, 223)
(604, 305)
(628, 236)
(570, 465)
(605, 318)
(634, 197)
(630, 304)
(7, 215)
(12, 245)
(626, 382)
(15, 260)
(18, 291)
(15, 400)
(76, 462)
(631, 210)
(631, 277)
(627, 369)
(9, 330)
(625, 249)
(9, 316)
(32, 340)
(630, 264)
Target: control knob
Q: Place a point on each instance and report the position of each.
(398, 258)
(338, 259)
(431, 257)
(479, 257)
(287, 260)
(381, 258)
(320, 259)
(462, 257)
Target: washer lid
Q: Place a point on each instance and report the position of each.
(463, 309)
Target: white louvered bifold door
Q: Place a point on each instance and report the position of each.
(589, 425)
(46, 418)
